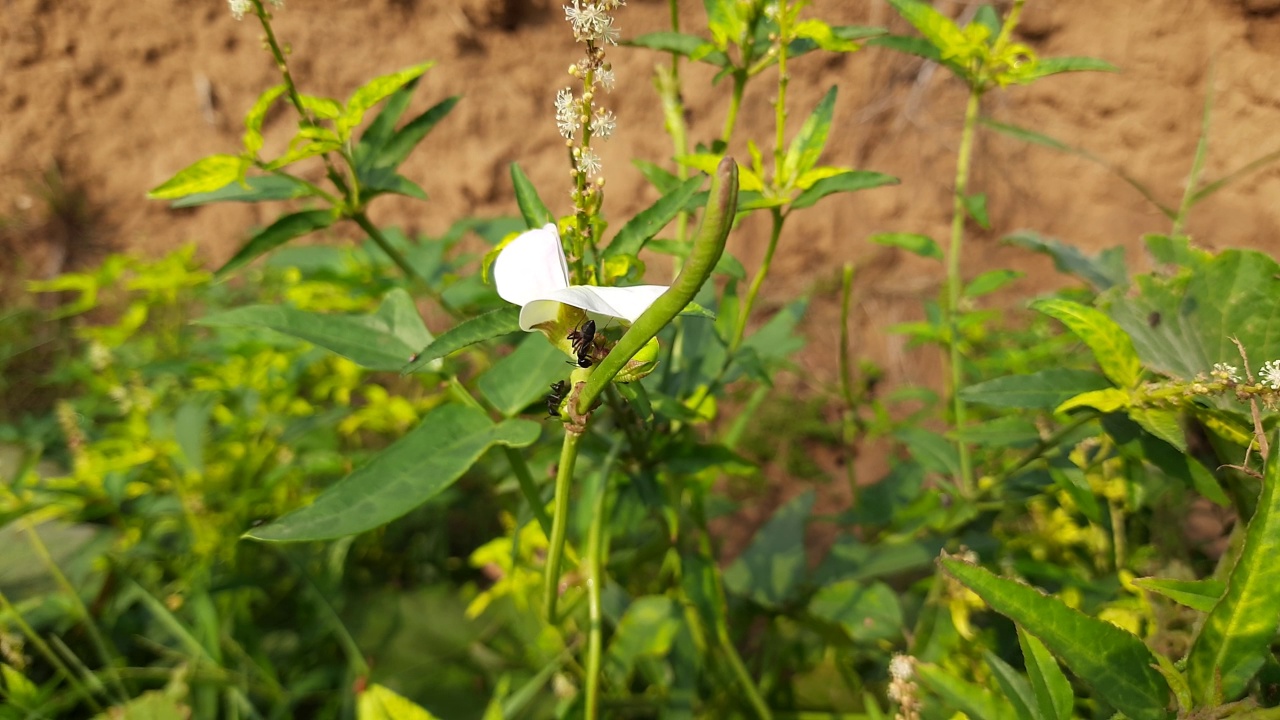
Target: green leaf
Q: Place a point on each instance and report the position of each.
(867, 613)
(1233, 641)
(848, 181)
(519, 379)
(1182, 325)
(482, 327)
(1106, 401)
(647, 629)
(534, 212)
(937, 28)
(322, 107)
(638, 398)
(1103, 271)
(372, 93)
(921, 245)
(690, 46)
(823, 36)
(1200, 595)
(1111, 347)
(382, 340)
(1114, 663)
(379, 703)
(772, 567)
(281, 231)
(253, 120)
(259, 188)
(1054, 697)
(1015, 687)
(204, 175)
(974, 701)
(650, 221)
(407, 138)
(664, 180)
(1044, 67)
(989, 282)
(976, 207)
(807, 145)
(414, 469)
(724, 21)
(933, 451)
(383, 125)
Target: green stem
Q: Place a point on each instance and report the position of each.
(708, 244)
(47, 652)
(735, 104)
(780, 103)
(108, 656)
(559, 523)
(954, 282)
(846, 381)
(597, 548)
(745, 681)
(744, 312)
(361, 219)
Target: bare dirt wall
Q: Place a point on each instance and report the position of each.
(120, 95)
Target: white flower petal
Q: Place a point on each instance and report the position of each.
(531, 266)
(627, 303)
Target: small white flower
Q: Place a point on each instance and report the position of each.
(567, 114)
(603, 124)
(589, 162)
(239, 8)
(1271, 374)
(278, 4)
(589, 21)
(605, 79)
(1225, 372)
(901, 667)
(531, 272)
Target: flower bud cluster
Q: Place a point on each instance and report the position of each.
(578, 118)
(240, 7)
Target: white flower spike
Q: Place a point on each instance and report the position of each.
(531, 272)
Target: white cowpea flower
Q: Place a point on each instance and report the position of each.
(531, 271)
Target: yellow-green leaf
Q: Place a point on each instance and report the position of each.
(1111, 346)
(203, 175)
(1108, 400)
(379, 703)
(253, 120)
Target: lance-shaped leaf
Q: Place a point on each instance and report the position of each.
(382, 340)
(281, 231)
(532, 209)
(1232, 643)
(522, 377)
(372, 93)
(848, 181)
(1045, 67)
(690, 46)
(468, 332)
(1054, 697)
(1112, 348)
(414, 469)
(650, 221)
(204, 175)
(1200, 595)
(807, 145)
(1115, 663)
(259, 188)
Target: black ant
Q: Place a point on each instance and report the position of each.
(555, 397)
(583, 339)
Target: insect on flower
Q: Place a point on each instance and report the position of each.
(583, 338)
(555, 397)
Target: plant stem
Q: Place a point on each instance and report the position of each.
(740, 671)
(846, 382)
(744, 311)
(559, 523)
(43, 648)
(361, 219)
(780, 103)
(954, 282)
(108, 656)
(735, 103)
(596, 549)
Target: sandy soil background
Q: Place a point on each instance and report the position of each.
(120, 95)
